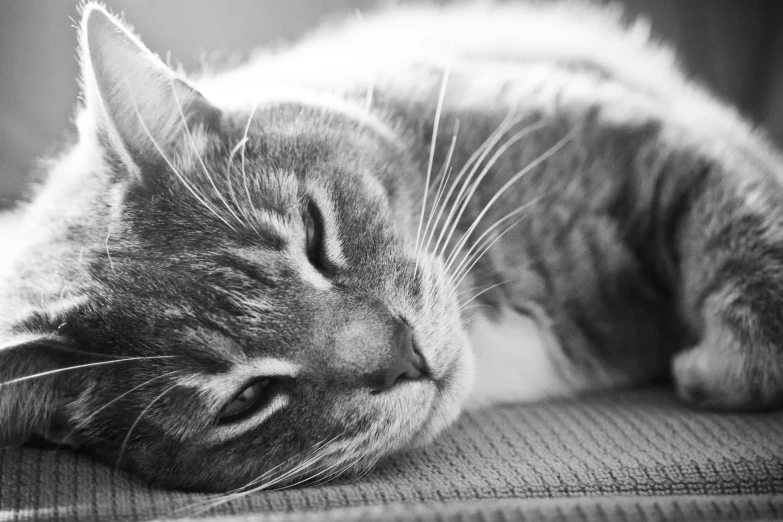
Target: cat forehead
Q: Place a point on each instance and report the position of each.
(272, 157)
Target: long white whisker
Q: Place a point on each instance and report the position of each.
(370, 74)
(244, 142)
(235, 493)
(194, 146)
(136, 422)
(441, 188)
(478, 257)
(310, 476)
(498, 153)
(368, 98)
(303, 466)
(479, 294)
(452, 258)
(368, 468)
(351, 463)
(317, 453)
(433, 142)
(475, 161)
(229, 178)
(439, 179)
(84, 421)
(313, 451)
(108, 254)
(244, 209)
(333, 471)
(199, 197)
(516, 177)
(240, 144)
(89, 365)
(471, 307)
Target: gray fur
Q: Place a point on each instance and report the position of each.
(647, 236)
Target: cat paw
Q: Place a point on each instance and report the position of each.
(726, 373)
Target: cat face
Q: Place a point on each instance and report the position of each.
(249, 300)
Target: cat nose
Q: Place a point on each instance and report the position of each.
(406, 363)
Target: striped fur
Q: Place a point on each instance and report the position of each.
(536, 192)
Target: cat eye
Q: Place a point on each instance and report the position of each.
(249, 400)
(314, 234)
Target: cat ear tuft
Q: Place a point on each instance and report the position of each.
(139, 101)
(32, 390)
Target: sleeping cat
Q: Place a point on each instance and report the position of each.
(284, 272)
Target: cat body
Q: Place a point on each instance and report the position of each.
(286, 271)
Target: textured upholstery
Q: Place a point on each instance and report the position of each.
(625, 455)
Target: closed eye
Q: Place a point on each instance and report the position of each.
(249, 400)
(314, 238)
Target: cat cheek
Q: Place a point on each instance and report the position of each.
(34, 374)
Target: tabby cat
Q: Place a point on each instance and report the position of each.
(286, 271)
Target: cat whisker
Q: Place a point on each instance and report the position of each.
(244, 145)
(367, 469)
(194, 146)
(433, 143)
(138, 419)
(88, 365)
(368, 98)
(266, 486)
(84, 421)
(310, 476)
(474, 161)
(332, 472)
(301, 468)
(471, 307)
(314, 459)
(316, 447)
(317, 453)
(470, 261)
(217, 500)
(439, 179)
(231, 191)
(242, 489)
(108, 254)
(475, 184)
(370, 73)
(244, 209)
(516, 177)
(478, 257)
(239, 145)
(442, 180)
(453, 257)
(196, 194)
(464, 305)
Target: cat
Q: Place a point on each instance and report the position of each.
(284, 272)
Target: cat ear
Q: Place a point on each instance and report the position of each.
(33, 388)
(140, 102)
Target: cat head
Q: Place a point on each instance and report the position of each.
(240, 288)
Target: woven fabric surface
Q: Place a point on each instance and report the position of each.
(622, 455)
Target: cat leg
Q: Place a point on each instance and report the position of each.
(730, 246)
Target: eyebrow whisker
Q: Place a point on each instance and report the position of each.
(88, 365)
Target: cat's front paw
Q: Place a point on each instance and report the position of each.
(734, 367)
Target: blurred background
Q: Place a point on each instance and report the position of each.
(734, 46)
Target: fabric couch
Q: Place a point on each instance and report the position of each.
(625, 455)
